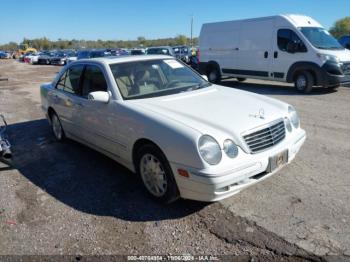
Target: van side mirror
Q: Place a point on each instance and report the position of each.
(99, 96)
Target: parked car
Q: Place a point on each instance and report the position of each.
(118, 52)
(61, 57)
(45, 58)
(92, 54)
(161, 50)
(5, 55)
(345, 41)
(183, 53)
(287, 48)
(137, 52)
(184, 136)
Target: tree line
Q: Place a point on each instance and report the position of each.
(47, 44)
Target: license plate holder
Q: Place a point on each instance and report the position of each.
(277, 161)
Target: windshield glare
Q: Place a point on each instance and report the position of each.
(153, 78)
(320, 38)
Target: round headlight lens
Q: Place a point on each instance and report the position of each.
(230, 148)
(209, 150)
(288, 124)
(294, 118)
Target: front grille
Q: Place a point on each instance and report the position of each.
(266, 137)
(55, 61)
(346, 68)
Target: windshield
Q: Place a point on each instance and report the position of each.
(320, 38)
(154, 78)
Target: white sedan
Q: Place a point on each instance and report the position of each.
(184, 136)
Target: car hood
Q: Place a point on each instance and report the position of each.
(221, 112)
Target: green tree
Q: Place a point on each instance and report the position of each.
(341, 27)
(142, 40)
(181, 40)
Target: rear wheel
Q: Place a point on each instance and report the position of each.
(156, 174)
(213, 75)
(304, 82)
(57, 127)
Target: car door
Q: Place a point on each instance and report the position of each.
(254, 55)
(64, 99)
(97, 119)
(283, 58)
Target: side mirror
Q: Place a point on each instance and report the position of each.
(99, 96)
(205, 77)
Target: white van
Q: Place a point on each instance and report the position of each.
(288, 48)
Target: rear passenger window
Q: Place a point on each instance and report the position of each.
(285, 36)
(69, 82)
(93, 80)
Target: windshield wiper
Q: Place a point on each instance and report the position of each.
(198, 86)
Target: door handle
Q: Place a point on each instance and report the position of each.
(266, 54)
(275, 54)
(236, 48)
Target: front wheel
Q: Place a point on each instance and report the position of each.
(156, 174)
(213, 75)
(304, 82)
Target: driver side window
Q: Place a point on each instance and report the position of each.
(93, 80)
(288, 36)
(69, 82)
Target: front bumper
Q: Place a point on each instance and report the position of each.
(336, 74)
(212, 187)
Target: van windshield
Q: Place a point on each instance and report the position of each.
(320, 38)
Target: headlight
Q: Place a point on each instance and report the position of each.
(294, 118)
(230, 148)
(209, 150)
(330, 58)
(288, 124)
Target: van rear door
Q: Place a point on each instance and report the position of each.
(255, 49)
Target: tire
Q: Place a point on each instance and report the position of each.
(57, 128)
(304, 82)
(214, 75)
(162, 187)
(241, 79)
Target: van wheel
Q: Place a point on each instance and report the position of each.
(304, 82)
(213, 75)
(156, 174)
(241, 79)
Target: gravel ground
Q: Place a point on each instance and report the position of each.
(66, 199)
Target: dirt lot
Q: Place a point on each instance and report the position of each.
(68, 199)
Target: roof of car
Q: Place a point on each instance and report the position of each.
(127, 58)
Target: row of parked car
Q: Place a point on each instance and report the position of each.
(63, 57)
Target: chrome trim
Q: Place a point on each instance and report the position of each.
(258, 142)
